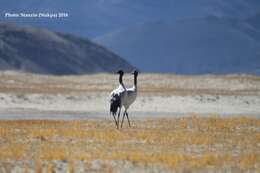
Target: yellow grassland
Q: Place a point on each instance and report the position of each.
(191, 142)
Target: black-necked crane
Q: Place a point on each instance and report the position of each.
(130, 97)
(117, 98)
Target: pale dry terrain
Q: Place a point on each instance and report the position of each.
(149, 84)
(179, 124)
(159, 95)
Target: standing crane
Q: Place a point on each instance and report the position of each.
(117, 97)
(129, 97)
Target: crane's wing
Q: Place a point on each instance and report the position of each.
(115, 99)
(115, 103)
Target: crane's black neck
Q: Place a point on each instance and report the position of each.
(121, 79)
(135, 80)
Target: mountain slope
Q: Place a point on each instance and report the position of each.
(209, 45)
(41, 51)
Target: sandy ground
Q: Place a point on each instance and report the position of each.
(33, 106)
(27, 96)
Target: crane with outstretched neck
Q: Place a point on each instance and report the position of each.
(129, 98)
(117, 97)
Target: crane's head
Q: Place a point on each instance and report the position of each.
(120, 72)
(135, 72)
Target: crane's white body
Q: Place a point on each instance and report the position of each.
(119, 91)
(130, 97)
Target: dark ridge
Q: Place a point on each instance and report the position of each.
(38, 50)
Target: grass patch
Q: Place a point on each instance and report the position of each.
(192, 143)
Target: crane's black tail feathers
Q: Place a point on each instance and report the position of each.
(115, 103)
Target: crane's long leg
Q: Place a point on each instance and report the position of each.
(118, 117)
(128, 119)
(123, 119)
(115, 120)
